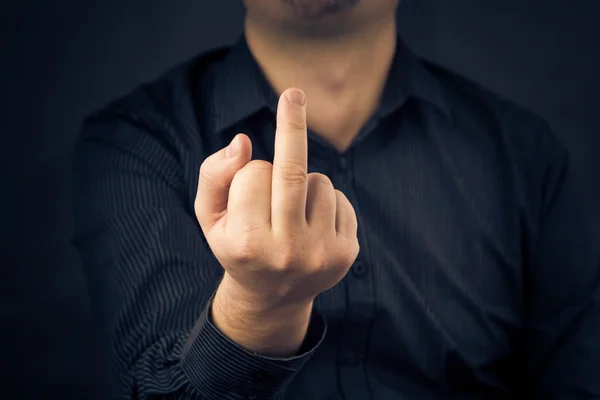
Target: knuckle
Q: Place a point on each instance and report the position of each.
(246, 249)
(320, 179)
(341, 196)
(255, 168)
(294, 125)
(208, 174)
(293, 173)
(349, 250)
(259, 166)
(288, 258)
(319, 259)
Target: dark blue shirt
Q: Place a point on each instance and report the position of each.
(476, 277)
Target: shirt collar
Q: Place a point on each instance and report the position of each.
(241, 90)
(409, 77)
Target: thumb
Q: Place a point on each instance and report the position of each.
(216, 175)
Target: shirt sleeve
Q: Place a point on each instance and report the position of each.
(151, 275)
(562, 274)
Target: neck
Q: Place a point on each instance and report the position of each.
(343, 77)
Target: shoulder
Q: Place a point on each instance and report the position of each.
(508, 138)
(524, 136)
(151, 132)
(165, 105)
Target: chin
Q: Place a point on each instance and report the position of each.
(318, 9)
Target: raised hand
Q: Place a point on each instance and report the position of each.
(282, 235)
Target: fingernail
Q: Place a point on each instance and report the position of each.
(232, 149)
(296, 97)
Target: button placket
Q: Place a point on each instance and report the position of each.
(342, 163)
(353, 341)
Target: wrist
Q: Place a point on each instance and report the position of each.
(267, 330)
(259, 306)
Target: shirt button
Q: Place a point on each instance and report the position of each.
(359, 269)
(342, 163)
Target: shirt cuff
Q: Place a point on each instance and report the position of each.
(221, 369)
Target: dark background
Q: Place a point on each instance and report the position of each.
(61, 60)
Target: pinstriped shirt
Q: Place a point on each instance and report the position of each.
(476, 277)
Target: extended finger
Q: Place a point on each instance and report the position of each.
(290, 171)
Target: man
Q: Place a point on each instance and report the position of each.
(224, 265)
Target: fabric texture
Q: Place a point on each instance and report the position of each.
(476, 276)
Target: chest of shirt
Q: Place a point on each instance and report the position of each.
(437, 285)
